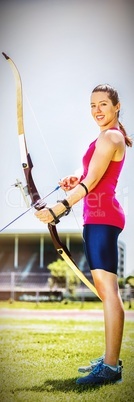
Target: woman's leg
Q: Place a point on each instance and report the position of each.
(107, 287)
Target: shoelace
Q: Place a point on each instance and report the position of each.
(97, 368)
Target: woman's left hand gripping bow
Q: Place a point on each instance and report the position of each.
(44, 215)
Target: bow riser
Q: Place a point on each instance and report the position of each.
(32, 190)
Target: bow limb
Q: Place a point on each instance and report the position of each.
(66, 255)
(25, 156)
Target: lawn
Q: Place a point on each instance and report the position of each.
(65, 304)
(39, 359)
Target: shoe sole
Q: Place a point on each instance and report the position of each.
(105, 383)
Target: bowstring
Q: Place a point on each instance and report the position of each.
(41, 134)
(50, 154)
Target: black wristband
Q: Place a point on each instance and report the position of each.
(66, 204)
(56, 220)
(85, 188)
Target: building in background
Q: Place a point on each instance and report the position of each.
(121, 259)
(24, 260)
(33, 252)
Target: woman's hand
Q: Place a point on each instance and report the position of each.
(69, 182)
(44, 215)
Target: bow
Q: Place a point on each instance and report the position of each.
(30, 188)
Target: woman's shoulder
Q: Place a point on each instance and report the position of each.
(111, 141)
(114, 135)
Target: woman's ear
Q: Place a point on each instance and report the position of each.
(118, 106)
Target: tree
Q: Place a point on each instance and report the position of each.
(121, 283)
(62, 276)
(130, 280)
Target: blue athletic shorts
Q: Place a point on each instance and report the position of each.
(100, 244)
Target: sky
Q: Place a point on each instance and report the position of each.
(62, 49)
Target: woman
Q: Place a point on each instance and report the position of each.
(103, 221)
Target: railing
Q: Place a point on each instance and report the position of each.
(36, 287)
(27, 286)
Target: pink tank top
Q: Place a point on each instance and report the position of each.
(100, 205)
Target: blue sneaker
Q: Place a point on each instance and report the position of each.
(94, 362)
(101, 374)
(97, 360)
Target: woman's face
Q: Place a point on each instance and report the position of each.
(103, 111)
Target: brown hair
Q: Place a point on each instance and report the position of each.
(114, 97)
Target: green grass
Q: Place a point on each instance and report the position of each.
(39, 361)
(65, 304)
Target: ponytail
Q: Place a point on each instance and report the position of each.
(128, 140)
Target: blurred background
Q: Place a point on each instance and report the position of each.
(62, 49)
